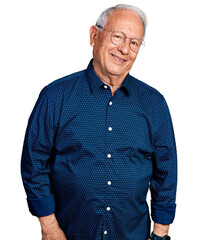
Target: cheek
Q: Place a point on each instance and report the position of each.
(97, 50)
(133, 58)
(104, 51)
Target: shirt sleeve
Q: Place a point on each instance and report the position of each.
(36, 157)
(164, 179)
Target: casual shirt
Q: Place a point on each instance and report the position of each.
(90, 158)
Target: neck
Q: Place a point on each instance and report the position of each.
(113, 81)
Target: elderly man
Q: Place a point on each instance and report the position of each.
(97, 140)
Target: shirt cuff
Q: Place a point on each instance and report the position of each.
(41, 206)
(163, 213)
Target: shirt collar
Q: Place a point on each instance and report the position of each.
(95, 82)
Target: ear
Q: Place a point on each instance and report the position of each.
(93, 33)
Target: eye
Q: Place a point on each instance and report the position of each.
(117, 36)
(134, 43)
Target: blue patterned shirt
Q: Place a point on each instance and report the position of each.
(90, 158)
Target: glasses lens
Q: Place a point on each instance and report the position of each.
(117, 38)
(136, 44)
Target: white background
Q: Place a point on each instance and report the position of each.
(43, 40)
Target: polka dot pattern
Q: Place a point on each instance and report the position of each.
(91, 157)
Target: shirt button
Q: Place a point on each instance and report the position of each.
(110, 103)
(109, 155)
(110, 129)
(105, 86)
(105, 232)
(108, 208)
(109, 182)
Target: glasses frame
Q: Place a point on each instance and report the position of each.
(124, 40)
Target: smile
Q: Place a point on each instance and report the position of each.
(117, 59)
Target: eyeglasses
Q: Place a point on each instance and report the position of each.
(118, 38)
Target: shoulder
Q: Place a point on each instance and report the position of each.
(62, 85)
(145, 91)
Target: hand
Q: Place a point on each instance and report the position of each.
(51, 229)
(160, 229)
(53, 234)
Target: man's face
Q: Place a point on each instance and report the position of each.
(109, 59)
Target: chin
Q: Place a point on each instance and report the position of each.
(116, 71)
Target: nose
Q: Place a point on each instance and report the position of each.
(124, 47)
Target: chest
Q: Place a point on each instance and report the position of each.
(101, 119)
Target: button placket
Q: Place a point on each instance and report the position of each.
(110, 109)
(109, 155)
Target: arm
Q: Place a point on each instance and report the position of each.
(36, 158)
(161, 229)
(36, 165)
(164, 179)
(50, 228)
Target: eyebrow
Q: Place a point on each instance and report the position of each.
(126, 35)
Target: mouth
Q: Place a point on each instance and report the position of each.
(117, 59)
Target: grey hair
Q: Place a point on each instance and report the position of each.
(104, 15)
